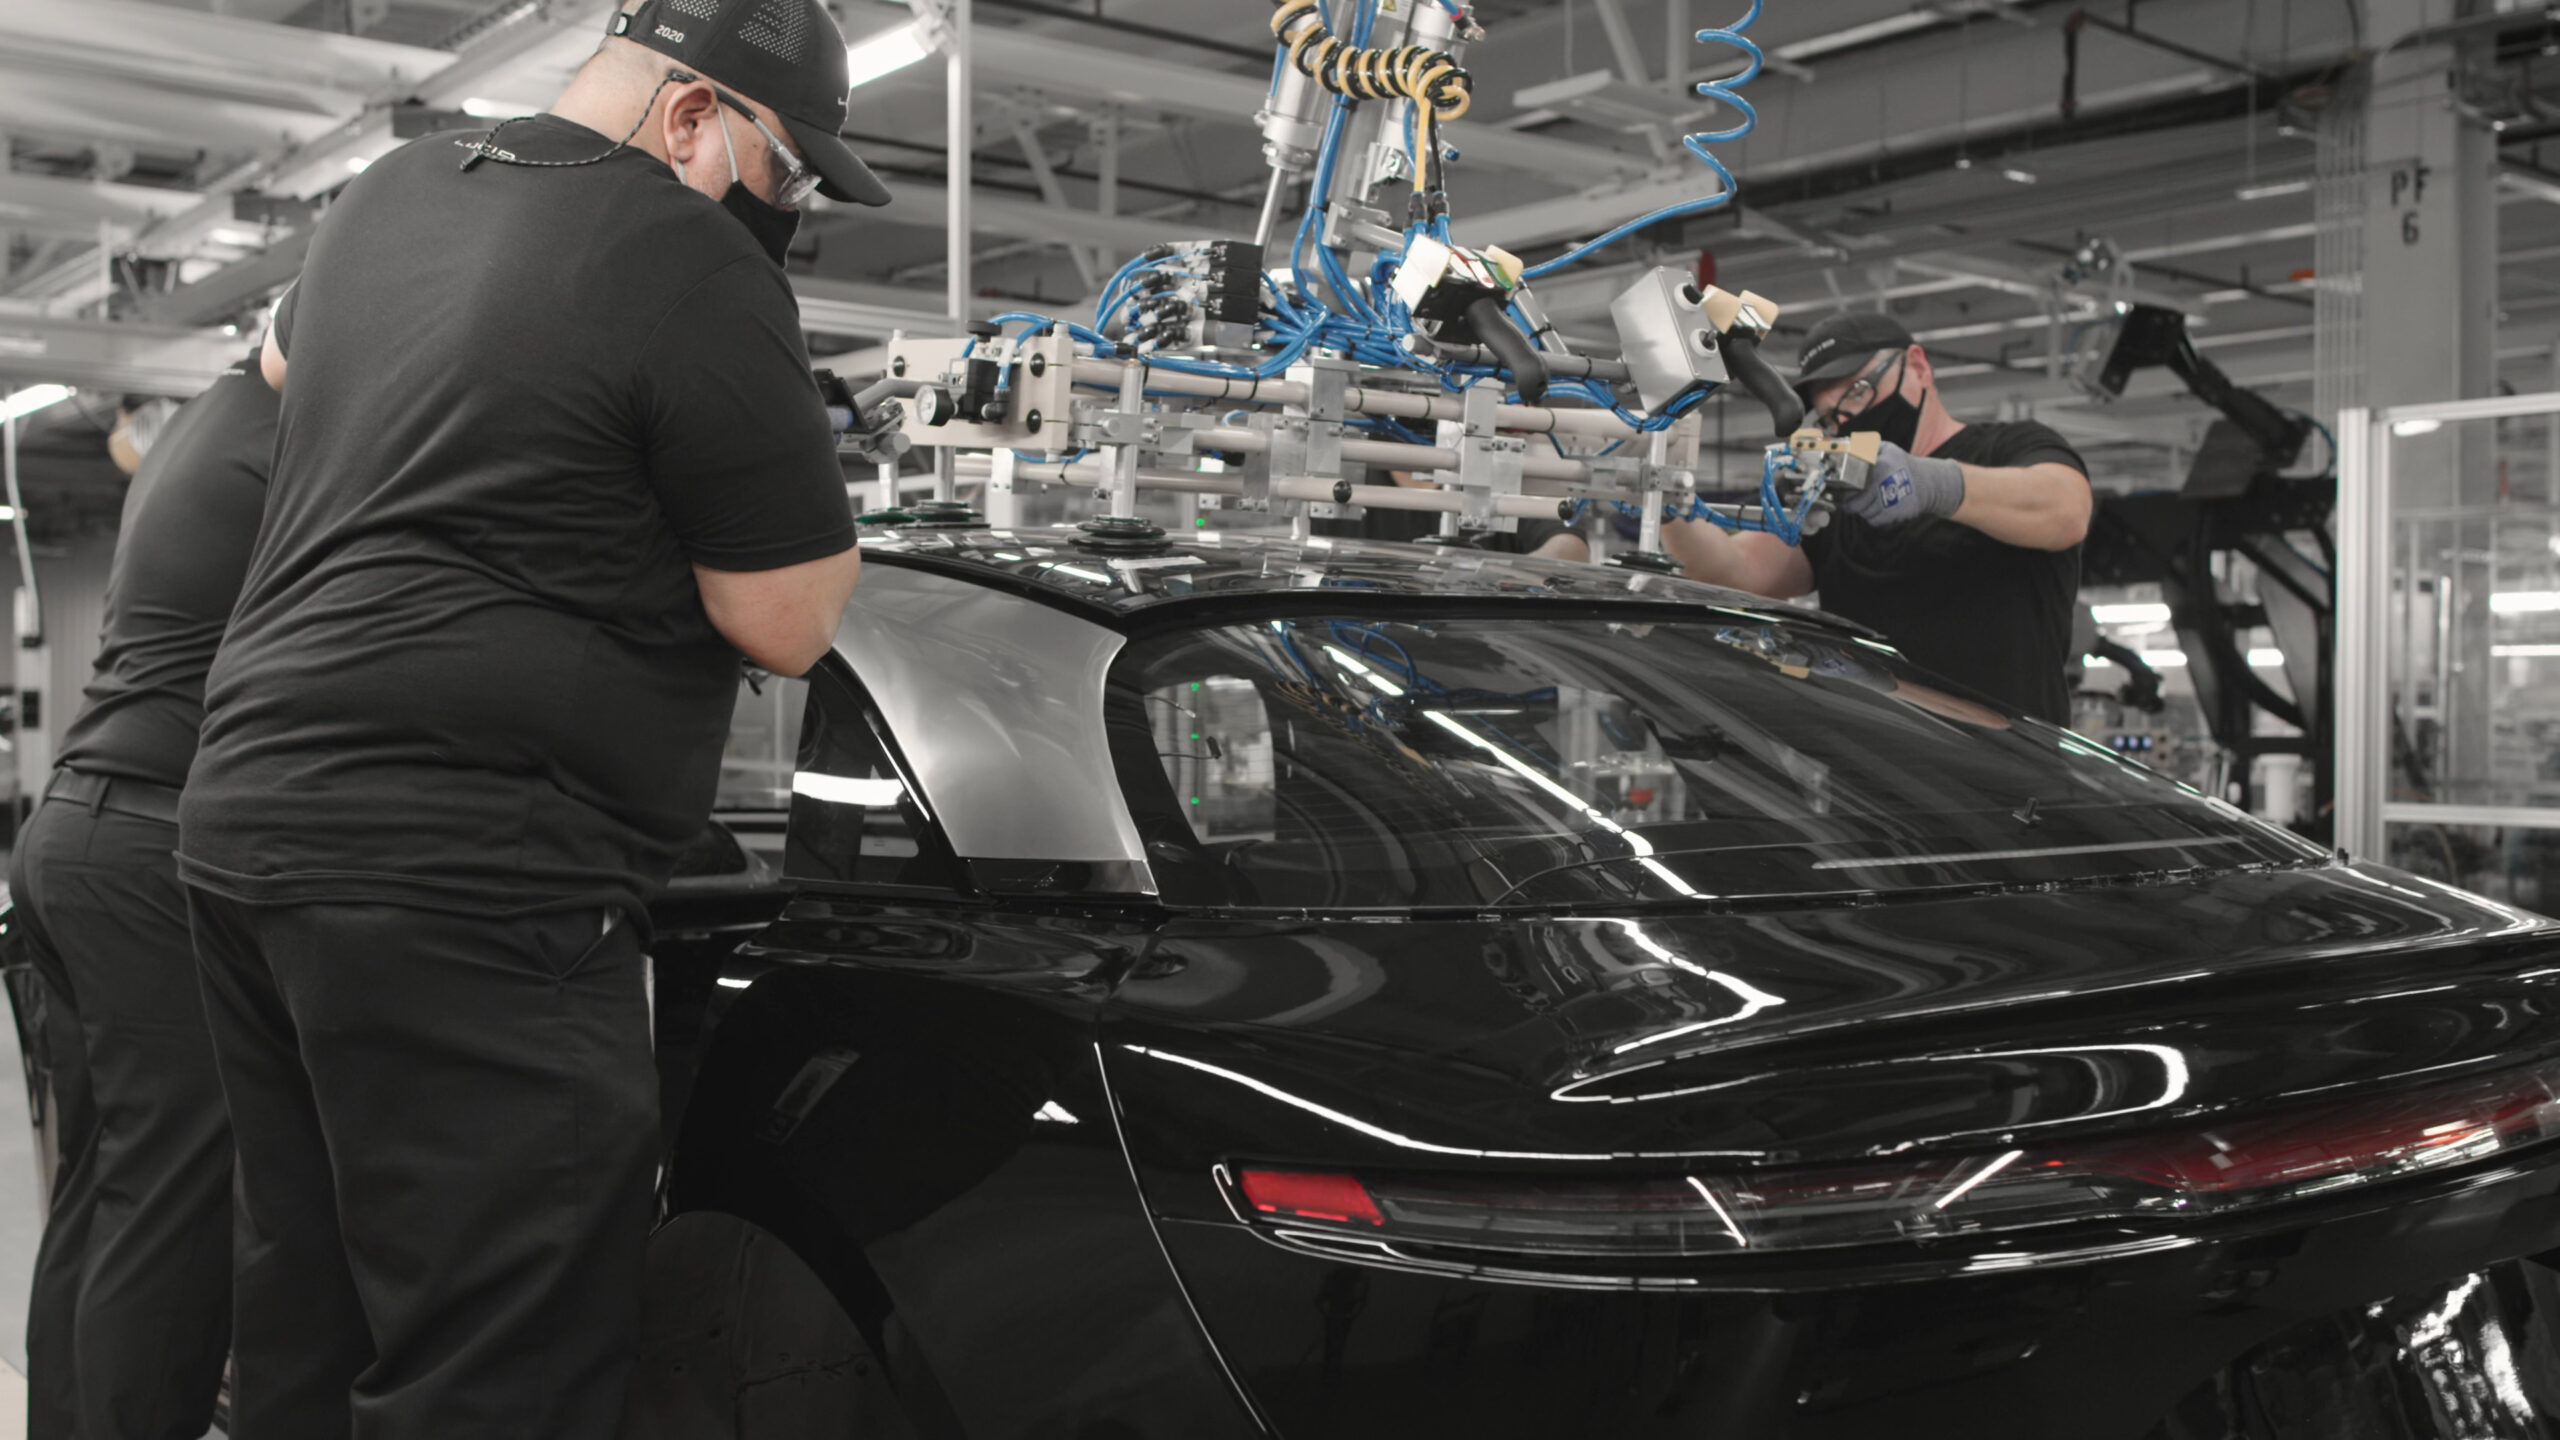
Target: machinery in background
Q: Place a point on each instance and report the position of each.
(2238, 499)
(1300, 375)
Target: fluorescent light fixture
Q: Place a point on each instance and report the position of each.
(2163, 659)
(2406, 428)
(2524, 602)
(8, 514)
(32, 399)
(488, 109)
(1868, 33)
(2139, 614)
(885, 54)
(2019, 177)
(2264, 658)
(847, 789)
(2271, 191)
(358, 164)
(2526, 652)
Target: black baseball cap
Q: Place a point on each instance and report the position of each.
(785, 53)
(1842, 345)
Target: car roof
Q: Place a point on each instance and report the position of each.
(1114, 581)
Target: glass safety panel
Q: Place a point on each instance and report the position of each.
(2472, 627)
(2513, 863)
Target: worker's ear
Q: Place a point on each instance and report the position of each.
(691, 111)
(1916, 363)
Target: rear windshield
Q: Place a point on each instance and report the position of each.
(1529, 762)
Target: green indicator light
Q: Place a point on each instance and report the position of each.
(1195, 685)
(1195, 734)
(1195, 799)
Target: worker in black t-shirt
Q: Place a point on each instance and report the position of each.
(1964, 550)
(550, 459)
(130, 1311)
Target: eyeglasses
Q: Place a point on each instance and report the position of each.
(799, 182)
(1861, 393)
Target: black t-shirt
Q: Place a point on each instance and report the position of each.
(1994, 616)
(190, 517)
(470, 668)
(1377, 522)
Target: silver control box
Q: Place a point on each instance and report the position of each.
(1669, 341)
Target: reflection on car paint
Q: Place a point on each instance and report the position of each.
(1020, 1183)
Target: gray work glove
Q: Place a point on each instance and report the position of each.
(1902, 486)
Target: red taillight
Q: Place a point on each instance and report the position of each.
(1305, 1195)
(2424, 1130)
(2204, 1168)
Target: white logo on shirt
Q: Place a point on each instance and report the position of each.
(666, 33)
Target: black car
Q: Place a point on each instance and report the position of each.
(1231, 986)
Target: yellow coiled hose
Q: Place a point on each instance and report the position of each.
(1431, 79)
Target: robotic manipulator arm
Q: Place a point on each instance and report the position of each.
(2151, 335)
(1358, 335)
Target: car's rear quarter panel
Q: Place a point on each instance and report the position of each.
(1344, 1044)
(2091, 1351)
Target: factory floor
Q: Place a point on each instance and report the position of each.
(21, 1224)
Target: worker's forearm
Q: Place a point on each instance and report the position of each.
(1759, 564)
(2037, 507)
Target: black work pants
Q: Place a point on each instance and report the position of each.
(130, 1310)
(448, 1134)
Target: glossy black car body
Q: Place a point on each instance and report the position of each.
(966, 1083)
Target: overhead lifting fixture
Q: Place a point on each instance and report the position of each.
(1281, 374)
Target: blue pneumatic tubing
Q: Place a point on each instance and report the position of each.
(1723, 91)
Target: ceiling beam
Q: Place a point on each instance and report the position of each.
(291, 66)
(539, 51)
(841, 307)
(1599, 207)
(51, 205)
(148, 74)
(1059, 67)
(100, 355)
(920, 204)
(232, 288)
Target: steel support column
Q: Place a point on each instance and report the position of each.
(2430, 334)
(2363, 730)
(959, 140)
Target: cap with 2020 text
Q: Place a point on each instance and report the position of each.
(784, 53)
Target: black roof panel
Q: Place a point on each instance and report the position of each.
(1062, 563)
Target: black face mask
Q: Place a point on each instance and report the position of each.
(1889, 415)
(772, 225)
(1894, 418)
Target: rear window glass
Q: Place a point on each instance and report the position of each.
(1530, 762)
